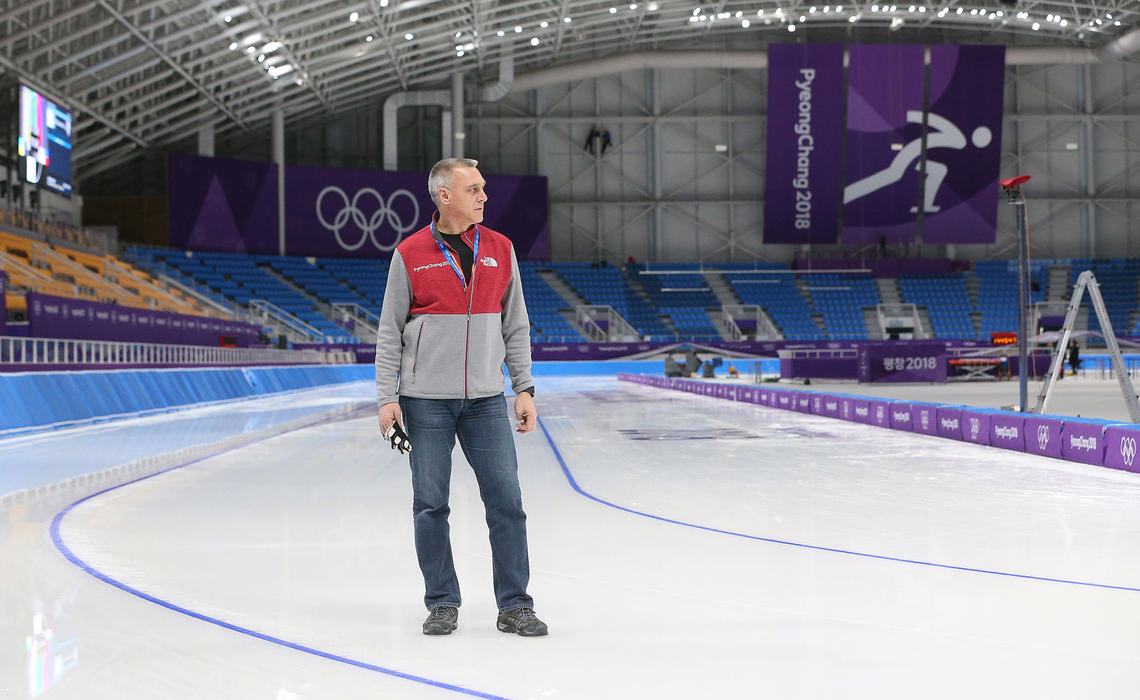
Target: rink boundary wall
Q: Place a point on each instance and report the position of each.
(35, 401)
(1104, 443)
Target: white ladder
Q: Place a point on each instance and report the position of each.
(1086, 280)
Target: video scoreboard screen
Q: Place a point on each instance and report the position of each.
(44, 142)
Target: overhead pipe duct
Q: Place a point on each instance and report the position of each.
(452, 102)
(392, 105)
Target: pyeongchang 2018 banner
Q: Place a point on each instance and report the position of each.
(885, 86)
(963, 144)
(337, 212)
(805, 139)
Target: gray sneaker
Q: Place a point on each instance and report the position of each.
(521, 622)
(441, 620)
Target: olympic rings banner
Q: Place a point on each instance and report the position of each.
(231, 206)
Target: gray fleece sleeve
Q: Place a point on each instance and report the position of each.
(390, 338)
(516, 330)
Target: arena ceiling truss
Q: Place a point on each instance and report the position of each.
(145, 73)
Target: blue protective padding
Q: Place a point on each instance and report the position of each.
(102, 384)
(64, 406)
(154, 389)
(75, 402)
(14, 410)
(600, 367)
(35, 400)
(85, 387)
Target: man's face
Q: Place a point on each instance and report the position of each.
(464, 200)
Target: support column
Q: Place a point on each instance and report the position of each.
(1087, 165)
(458, 136)
(206, 134)
(279, 159)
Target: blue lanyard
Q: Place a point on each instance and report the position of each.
(455, 266)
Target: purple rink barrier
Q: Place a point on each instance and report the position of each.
(1043, 435)
(830, 406)
(949, 422)
(976, 427)
(881, 413)
(1120, 447)
(1083, 441)
(1100, 443)
(1007, 430)
(901, 415)
(77, 319)
(924, 418)
(817, 404)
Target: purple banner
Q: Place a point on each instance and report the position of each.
(1007, 431)
(220, 205)
(1120, 448)
(58, 317)
(785, 400)
(339, 212)
(891, 362)
(1083, 441)
(861, 410)
(231, 206)
(805, 139)
(976, 427)
(1043, 436)
(885, 85)
(847, 408)
(963, 144)
(803, 402)
(949, 422)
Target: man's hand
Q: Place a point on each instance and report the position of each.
(525, 412)
(389, 413)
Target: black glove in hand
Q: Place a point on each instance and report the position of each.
(398, 437)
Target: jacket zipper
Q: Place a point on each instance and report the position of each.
(419, 341)
(469, 290)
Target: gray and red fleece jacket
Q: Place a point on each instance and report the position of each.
(442, 339)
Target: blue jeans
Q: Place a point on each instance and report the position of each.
(484, 431)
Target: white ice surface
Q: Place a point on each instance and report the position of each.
(307, 538)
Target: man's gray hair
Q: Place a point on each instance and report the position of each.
(440, 175)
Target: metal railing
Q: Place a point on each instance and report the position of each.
(358, 320)
(267, 313)
(763, 328)
(604, 324)
(16, 352)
